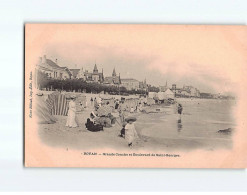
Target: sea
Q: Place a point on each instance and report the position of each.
(201, 119)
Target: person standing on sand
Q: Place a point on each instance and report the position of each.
(116, 104)
(86, 104)
(71, 120)
(91, 101)
(99, 101)
(121, 116)
(121, 112)
(130, 131)
(122, 120)
(180, 109)
(95, 103)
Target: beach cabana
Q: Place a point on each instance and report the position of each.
(57, 104)
(42, 112)
(161, 96)
(169, 94)
(150, 101)
(152, 94)
(104, 110)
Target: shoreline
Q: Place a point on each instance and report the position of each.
(130, 96)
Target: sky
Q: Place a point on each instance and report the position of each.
(210, 58)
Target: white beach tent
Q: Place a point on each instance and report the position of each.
(169, 94)
(152, 94)
(161, 95)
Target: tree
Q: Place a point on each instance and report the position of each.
(42, 79)
(80, 85)
(153, 89)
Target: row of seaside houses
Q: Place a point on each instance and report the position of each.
(53, 70)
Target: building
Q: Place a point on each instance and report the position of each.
(77, 74)
(143, 85)
(74, 73)
(163, 88)
(113, 80)
(130, 84)
(198, 93)
(193, 92)
(184, 93)
(52, 69)
(94, 76)
(174, 86)
(206, 95)
(175, 90)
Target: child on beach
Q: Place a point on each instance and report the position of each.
(130, 131)
(116, 104)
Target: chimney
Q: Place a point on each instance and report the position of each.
(56, 61)
(44, 59)
(40, 60)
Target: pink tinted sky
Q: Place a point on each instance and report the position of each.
(211, 58)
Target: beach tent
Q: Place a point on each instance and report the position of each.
(150, 101)
(131, 103)
(161, 95)
(104, 110)
(152, 94)
(42, 112)
(58, 104)
(143, 100)
(128, 103)
(169, 94)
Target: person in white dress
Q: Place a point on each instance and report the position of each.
(130, 131)
(71, 120)
(99, 101)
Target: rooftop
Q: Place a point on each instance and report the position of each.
(129, 80)
(74, 72)
(53, 64)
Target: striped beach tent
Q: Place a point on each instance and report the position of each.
(42, 112)
(58, 104)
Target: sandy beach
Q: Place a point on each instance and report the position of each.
(197, 128)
